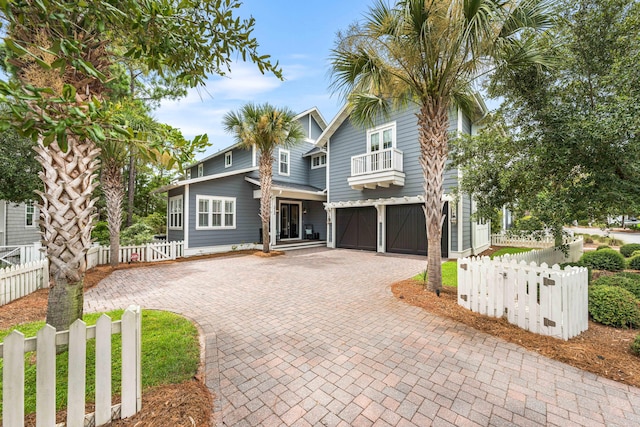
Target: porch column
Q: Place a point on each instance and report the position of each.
(273, 230)
(331, 229)
(382, 227)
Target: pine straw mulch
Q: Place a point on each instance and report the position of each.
(601, 350)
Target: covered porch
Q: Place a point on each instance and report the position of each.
(298, 217)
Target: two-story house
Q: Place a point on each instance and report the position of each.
(18, 223)
(216, 208)
(375, 188)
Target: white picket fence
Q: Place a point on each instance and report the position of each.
(21, 254)
(15, 346)
(522, 241)
(550, 255)
(21, 280)
(100, 255)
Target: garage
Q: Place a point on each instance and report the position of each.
(356, 228)
(406, 230)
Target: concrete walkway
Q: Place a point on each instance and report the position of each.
(316, 338)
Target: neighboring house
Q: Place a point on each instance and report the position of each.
(375, 188)
(216, 208)
(18, 223)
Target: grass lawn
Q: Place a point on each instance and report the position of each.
(170, 355)
(449, 274)
(509, 251)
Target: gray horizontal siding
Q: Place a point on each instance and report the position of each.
(453, 228)
(247, 209)
(298, 166)
(349, 140)
(316, 130)
(17, 233)
(176, 235)
(241, 159)
(316, 216)
(318, 176)
(466, 222)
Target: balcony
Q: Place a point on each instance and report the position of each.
(377, 169)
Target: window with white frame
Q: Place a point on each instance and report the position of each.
(381, 137)
(318, 161)
(215, 213)
(283, 163)
(188, 173)
(30, 214)
(175, 213)
(228, 159)
(200, 170)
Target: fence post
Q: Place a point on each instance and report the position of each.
(46, 377)
(131, 362)
(103, 370)
(13, 380)
(77, 373)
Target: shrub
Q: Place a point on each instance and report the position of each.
(634, 262)
(596, 237)
(588, 239)
(583, 222)
(615, 242)
(635, 253)
(628, 249)
(613, 306)
(635, 346)
(631, 284)
(138, 234)
(605, 259)
(603, 247)
(100, 233)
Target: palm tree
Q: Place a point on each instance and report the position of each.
(264, 127)
(427, 53)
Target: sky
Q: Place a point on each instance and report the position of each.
(300, 36)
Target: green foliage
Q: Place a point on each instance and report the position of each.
(138, 234)
(613, 306)
(615, 242)
(628, 281)
(449, 274)
(634, 262)
(603, 247)
(605, 259)
(635, 345)
(628, 249)
(170, 355)
(100, 233)
(156, 221)
(527, 223)
(635, 253)
(19, 177)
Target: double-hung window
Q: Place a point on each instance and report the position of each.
(228, 159)
(283, 162)
(30, 214)
(175, 213)
(216, 213)
(200, 170)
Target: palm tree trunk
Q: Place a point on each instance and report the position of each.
(266, 174)
(433, 124)
(114, 194)
(67, 214)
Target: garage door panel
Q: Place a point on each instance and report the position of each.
(406, 230)
(356, 228)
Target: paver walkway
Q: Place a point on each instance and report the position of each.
(316, 338)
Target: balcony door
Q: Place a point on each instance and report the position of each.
(290, 220)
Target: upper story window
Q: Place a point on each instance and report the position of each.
(175, 213)
(381, 137)
(318, 161)
(200, 169)
(188, 173)
(215, 212)
(228, 159)
(283, 163)
(30, 214)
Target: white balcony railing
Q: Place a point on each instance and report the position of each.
(377, 161)
(378, 169)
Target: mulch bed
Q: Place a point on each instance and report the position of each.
(601, 350)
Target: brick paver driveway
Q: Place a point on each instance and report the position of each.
(316, 338)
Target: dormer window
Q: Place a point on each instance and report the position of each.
(200, 170)
(318, 161)
(381, 138)
(228, 159)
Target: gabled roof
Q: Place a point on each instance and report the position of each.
(281, 185)
(184, 182)
(314, 150)
(315, 113)
(344, 112)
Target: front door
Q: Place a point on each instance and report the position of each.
(289, 220)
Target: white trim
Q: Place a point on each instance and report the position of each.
(320, 164)
(206, 250)
(315, 113)
(342, 115)
(380, 130)
(273, 223)
(3, 224)
(287, 192)
(254, 156)
(229, 155)
(279, 220)
(200, 170)
(282, 151)
(223, 212)
(170, 213)
(185, 219)
(405, 200)
(178, 184)
(27, 205)
(381, 225)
